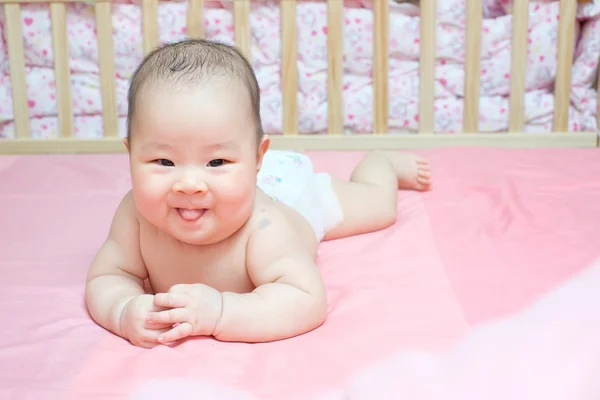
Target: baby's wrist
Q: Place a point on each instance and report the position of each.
(120, 312)
(212, 310)
(219, 314)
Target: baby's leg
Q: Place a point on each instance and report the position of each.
(369, 199)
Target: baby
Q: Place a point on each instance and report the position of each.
(223, 230)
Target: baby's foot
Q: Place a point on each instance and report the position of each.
(414, 172)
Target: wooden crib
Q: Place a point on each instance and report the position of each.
(23, 143)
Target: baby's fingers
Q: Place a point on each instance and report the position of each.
(148, 338)
(171, 300)
(179, 332)
(170, 317)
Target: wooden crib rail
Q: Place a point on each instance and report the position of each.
(426, 67)
(289, 68)
(516, 113)
(107, 69)
(472, 65)
(380, 67)
(562, 86)
(58, 15)
(16, 63)
(335, 137)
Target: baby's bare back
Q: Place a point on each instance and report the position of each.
(221, 265)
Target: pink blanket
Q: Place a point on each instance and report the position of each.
(500, 229)
(550, 351)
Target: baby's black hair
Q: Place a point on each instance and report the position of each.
(192, 62)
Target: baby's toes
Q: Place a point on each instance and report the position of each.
(424, 173)
(422, 186)
(423, 180)
(421, 162)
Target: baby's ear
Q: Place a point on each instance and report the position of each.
(265, 142)
(126, 143)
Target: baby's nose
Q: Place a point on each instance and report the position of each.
(190, 182)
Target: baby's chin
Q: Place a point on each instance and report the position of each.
(204, 236)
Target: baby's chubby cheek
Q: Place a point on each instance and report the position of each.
(149, 198)
(238, 188)
(148, 185)
(235, 203)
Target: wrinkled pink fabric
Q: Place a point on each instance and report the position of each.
(548, 351)
(500, 229)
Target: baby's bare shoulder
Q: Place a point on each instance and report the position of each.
(273, 221)
(125, 224)
(278, 250)
(120, 252)
(273, 233)
(286, 219)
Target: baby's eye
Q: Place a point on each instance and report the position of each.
(217, 163)
(165, 163)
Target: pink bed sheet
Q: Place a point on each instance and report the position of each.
(500, 229)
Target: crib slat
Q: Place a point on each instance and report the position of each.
(562, 87)
(195, 19)
(109, 1)
(241, 16)
(518, 66)
(53, 1)
(150, 25)
(16, 62)
(62, 70)
(598, 99)
(106, 55)
(335, 66)
(472, 66)
(380, 67)
(289, 67)
(427, 66)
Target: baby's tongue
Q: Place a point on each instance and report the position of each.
(190, 214)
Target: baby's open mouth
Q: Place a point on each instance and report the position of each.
(191, 214)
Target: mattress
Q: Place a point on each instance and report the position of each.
(312, 64)
(451, 299)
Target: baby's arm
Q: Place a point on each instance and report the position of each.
(289, 298)
(117, 272)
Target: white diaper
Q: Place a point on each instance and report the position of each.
(288, 177)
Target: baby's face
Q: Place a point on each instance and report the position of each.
(194, 160)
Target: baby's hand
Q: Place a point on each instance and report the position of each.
(196, 309)
(133, 322)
